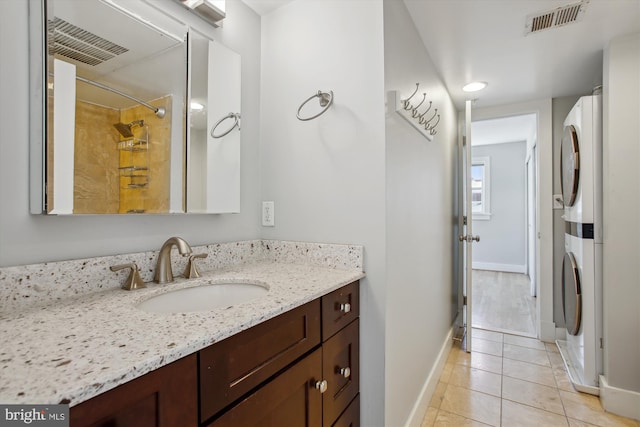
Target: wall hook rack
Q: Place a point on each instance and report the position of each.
(412, 114)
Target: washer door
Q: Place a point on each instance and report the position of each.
(571, 294)
(570, 166)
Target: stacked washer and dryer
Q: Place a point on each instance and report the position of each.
(581, 175)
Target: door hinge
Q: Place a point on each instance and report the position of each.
(601, 343)
(464, 300)
(464, 220)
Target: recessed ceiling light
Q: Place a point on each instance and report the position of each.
(474, 86)
(196, 106)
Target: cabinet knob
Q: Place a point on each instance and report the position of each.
(345, 308)
(321, 385)
(345, 372)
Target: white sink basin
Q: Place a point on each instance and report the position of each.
(203, 298)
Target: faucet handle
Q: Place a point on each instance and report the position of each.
(191, 272)
(133, 280)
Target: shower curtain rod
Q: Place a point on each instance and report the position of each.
(160, 111)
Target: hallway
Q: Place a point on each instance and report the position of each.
(502, 302)
(512, 381)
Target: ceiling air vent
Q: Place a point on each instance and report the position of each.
(556, 17)
(73, 42)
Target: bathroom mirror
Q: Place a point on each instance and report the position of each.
(213, 149)
(109, 80)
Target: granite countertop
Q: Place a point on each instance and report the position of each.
(76, 349)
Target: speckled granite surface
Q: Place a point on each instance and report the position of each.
(79, 346)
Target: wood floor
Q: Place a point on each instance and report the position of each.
(502, 302)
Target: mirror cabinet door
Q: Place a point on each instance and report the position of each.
(213, 177)
(111, 81)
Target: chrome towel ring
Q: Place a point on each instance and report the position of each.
(236, 123)
(326, 99)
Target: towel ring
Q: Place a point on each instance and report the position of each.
(235, 116)
(326, 99)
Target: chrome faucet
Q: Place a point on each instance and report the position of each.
(164, 273)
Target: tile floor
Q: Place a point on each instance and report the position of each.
(508, 381)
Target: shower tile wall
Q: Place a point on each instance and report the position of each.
(96, 160)
(155, 197)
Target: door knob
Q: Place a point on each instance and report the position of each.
(469, 238)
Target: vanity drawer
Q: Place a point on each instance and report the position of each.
(341, 370)
(231, 368)
(339, 308)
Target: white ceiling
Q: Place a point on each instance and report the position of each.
(262, 7)
(485, 40)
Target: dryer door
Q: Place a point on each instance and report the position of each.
(570, 166)
(571, 294)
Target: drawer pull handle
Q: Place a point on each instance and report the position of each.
(321, 385)
(345, 308)
(345, 372)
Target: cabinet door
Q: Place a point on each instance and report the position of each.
(233, 367)
(341, 369)
(166, 397)
(290, 399)
(339, 308)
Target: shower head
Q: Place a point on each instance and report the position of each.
(125, 130)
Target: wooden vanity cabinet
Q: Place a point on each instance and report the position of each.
(166, 397)
(320, 389)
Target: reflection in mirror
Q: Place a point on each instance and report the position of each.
(116, 90)
(213, 151)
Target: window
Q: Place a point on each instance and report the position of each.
(480, 188)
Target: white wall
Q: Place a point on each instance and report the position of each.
(420, 174)
(327, 176)
(502, 245)
(621, 188)
(26, 238)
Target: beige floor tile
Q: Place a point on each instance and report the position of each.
(486, 362)
(454, 353)
(446, 372)
(524, 342)
(438, 395)
(523, 354)
(562, 380)
(528, 372)
(487, 347)
(447, 419)
(551, 347)
(472, 404)
(515, 414)
(532, 394)
(587, 408)
(488, 335)
(477, 379)
(429, 417)
(578, 423)
(556, 360)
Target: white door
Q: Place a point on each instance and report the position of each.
(467, 237)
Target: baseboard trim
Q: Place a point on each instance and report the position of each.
(506, 268)
(429, 387)
(619, 401)
(548, 331)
